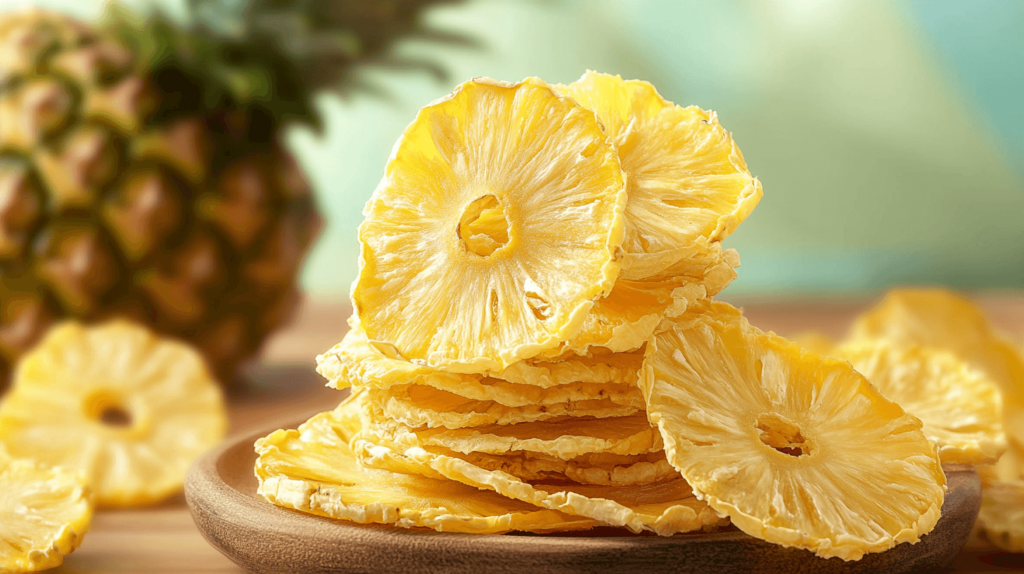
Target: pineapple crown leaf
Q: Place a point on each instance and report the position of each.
(277, 54)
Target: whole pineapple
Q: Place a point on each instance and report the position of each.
(142, 172)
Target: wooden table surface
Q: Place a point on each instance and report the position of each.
(163, 539)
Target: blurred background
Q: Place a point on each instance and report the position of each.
(889, 136)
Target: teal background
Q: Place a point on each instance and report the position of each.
(889, 136)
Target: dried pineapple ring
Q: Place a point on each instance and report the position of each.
(564, 439)
(666, 508)
(626, 318)
(360, 362)
(1002, 515)
(795, 448)
(44, 513)
(130, 409)
(687, 185)
(942, 319)
(431, 408)
(960, 408)
(601, 469)
(313, 470)
(513, 395)
(497, 223)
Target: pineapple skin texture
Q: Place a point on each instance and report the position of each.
(123, 194)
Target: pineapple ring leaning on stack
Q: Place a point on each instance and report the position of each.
(498, 222)
(796, 448)
(960, 408)
(312, 469)
(128, 408)
(687, 183)
(44, 513)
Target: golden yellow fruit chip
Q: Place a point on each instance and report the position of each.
(424, 406)
(687, 184)
(665, 508)
(1002, 515)
(942, 319)
(626, 318)
(130, 409)
(356, 361)
(795, 448)
(44, 513)
(313, 470)
(561, 438)
(601, 468)
(498, 222)
(960, 408)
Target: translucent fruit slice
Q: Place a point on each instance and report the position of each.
(44, 513)
(313, 470)
(942, 319)
(356, 361)
(687, 183)
(960, 408)
(423, 406)
(626, 318)
(665, 508)
(498, 222)
(130, 409)
(1002, 515)
(795, 448)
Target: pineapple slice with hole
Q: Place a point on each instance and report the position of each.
(943, 319)
(313, 470)
(960, 408)
(797, 449)
(665, 508)
(44, 513)
(497, 223)
(130, 409)
(687, 183)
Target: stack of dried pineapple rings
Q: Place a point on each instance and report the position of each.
(535, 346)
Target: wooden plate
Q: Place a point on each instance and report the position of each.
(262, 538)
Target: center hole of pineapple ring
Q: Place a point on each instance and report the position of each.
(105, 408)
(483, 227)
(782, 434)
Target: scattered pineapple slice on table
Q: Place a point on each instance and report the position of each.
(497, 223)
(44, 513)
(128, 408)
(314, 470)
(796, 448)
(960, 408)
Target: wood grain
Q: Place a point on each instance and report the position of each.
(164, 539)
(265, 539)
